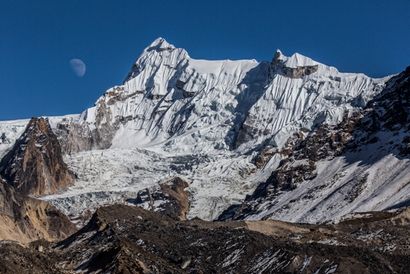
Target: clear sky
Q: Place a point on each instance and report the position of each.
(39, 38)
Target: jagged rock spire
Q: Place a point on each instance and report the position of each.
(35, 164)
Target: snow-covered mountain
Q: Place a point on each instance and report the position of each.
(359, 165)
(188, 105)
(205, 121)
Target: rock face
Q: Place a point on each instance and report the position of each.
(169, 198)
(74, 137)
(279, 66)
(124, 239)
(25, 219)
(35, 165)
(377, 135)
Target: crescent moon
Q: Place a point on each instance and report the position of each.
(78, 66)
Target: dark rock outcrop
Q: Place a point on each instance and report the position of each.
(35, 165)
(169, 197)
(263, 156)
(278, 66)
(4, 139)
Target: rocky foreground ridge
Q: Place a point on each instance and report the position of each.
(124, 239)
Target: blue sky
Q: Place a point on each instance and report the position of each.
(39, 38)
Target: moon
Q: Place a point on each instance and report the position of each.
(78, 66)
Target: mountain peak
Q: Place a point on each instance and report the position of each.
(159, 48)
(299, 60)
(278, 55)
(160, 44)
(296, 60)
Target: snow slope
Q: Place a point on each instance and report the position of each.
(344, 185)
